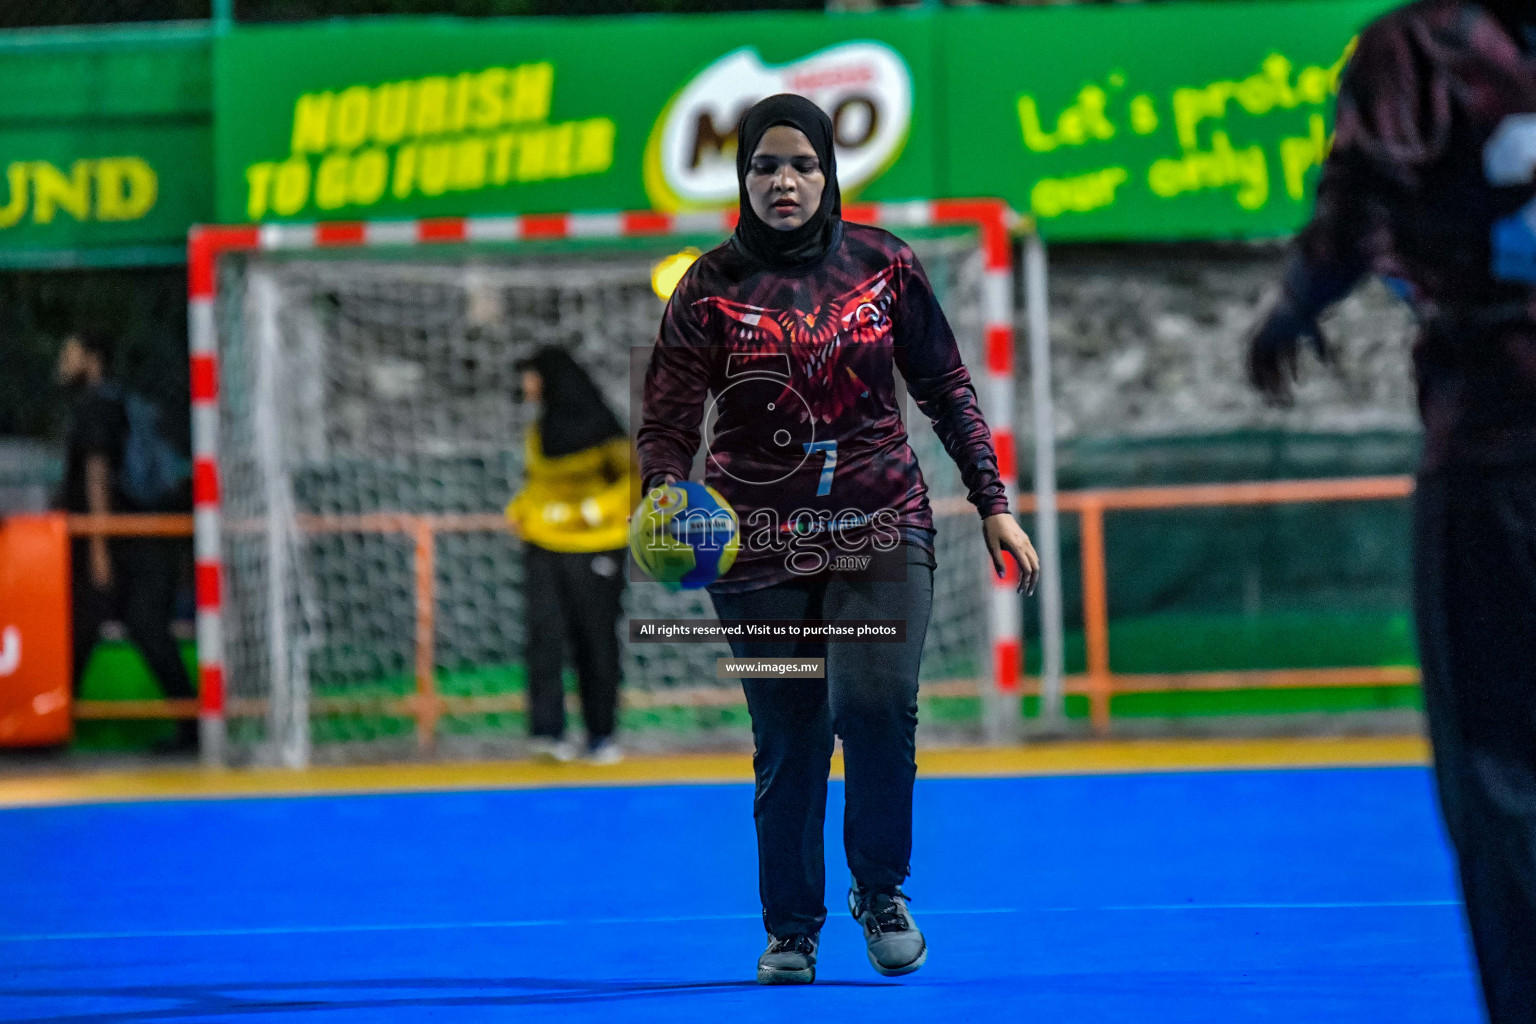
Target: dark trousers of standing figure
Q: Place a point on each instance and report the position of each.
(1475, 597)
(142, 596)
(575, 597)
(869, 699)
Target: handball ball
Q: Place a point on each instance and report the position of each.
(684, 535)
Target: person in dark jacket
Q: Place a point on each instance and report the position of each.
(1431, 182)
(133, 578)
(797, 326)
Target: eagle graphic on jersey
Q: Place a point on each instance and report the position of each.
(792, 379)
(820, 342)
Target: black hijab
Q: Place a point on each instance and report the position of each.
(811, 240)
(573, 415)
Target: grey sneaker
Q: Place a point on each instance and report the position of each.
(895, 944)
(788, 961)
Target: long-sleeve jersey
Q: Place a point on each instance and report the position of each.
(790, 376)
(1432, 182)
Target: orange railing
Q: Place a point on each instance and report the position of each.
(426, 705)
(121, 525)
(1099, 683)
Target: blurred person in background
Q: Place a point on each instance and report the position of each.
(1432, 183)
(116, 462)
(572, 515)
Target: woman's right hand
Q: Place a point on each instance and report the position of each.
(666, 481)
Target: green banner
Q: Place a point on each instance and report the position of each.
(1163, 121)
(436, 117)
(106, 147)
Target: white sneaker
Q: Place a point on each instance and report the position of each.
(605, 752)
(563, 751)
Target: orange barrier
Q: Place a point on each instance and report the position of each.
(1099, 683)
(34, 631)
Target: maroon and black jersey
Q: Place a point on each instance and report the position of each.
(790, 374)
(1432, 182)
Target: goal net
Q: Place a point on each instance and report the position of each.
(369, 436)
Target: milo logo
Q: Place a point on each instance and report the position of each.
(865, 87)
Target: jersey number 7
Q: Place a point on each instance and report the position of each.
(824, 485)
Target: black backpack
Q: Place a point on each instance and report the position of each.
(152, 474)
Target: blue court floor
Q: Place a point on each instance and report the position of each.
(1321, 896)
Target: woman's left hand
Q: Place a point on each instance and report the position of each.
(1003, 533)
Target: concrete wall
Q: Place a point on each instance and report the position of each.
(1150, 341)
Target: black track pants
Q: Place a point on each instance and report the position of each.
(869, 698)
(575, 597)
(1475, 597)
(143, 596)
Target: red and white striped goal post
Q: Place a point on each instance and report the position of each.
(992, 219)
